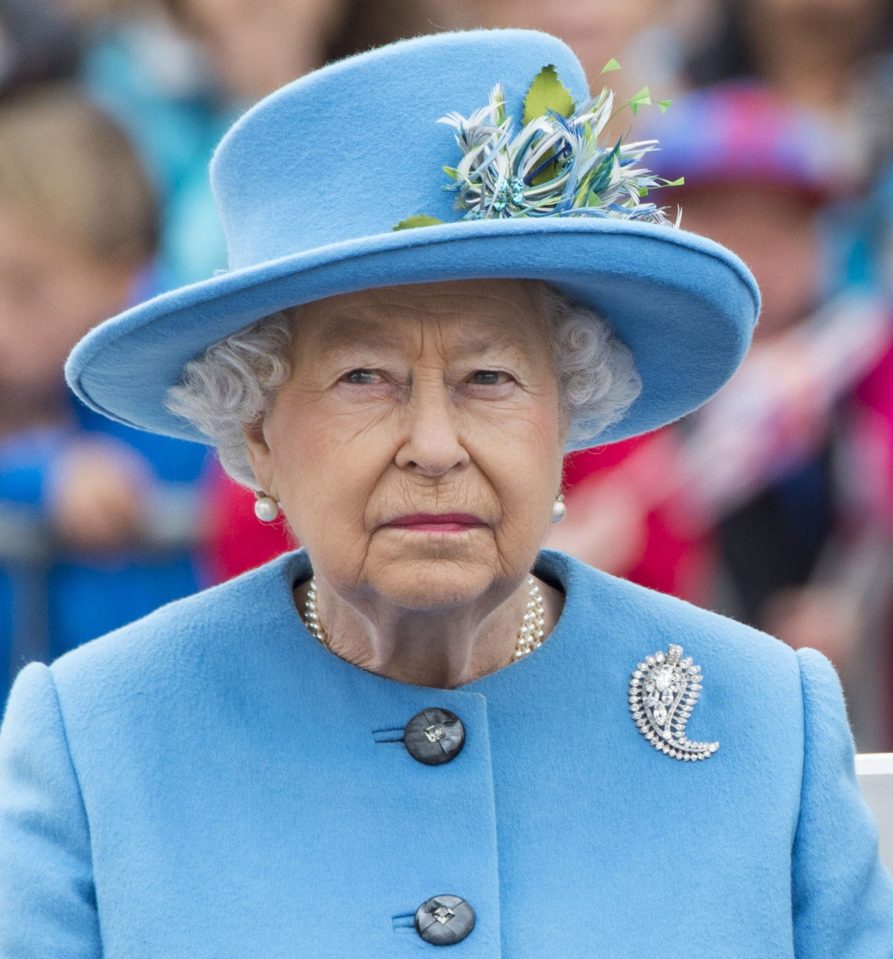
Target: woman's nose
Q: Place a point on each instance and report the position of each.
(431, 444)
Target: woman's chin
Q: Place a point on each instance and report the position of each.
(435, 584)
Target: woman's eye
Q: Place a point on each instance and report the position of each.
(489, 378)
(362, 377)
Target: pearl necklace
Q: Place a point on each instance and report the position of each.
(531, 634)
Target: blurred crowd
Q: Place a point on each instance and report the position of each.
(774, 504)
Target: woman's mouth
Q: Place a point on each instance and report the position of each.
(437, 522)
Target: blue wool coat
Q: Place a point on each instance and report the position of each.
(211, 782)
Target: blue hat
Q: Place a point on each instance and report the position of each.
(313, 180)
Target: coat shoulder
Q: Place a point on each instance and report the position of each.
(597, 593)
(638, 622)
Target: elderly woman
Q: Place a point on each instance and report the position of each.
(420, 731)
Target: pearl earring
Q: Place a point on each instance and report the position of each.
(266, 509)
(559, 510)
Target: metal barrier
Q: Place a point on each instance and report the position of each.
(875, 772)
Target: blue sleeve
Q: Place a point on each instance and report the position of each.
(842, 895)
(46, 878)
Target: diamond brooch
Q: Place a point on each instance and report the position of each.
(663, 691)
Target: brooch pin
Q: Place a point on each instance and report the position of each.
(662, 693)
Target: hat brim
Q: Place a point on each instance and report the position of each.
(684, 305)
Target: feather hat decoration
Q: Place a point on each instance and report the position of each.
(556, 164)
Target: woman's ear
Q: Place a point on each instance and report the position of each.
(260, 458)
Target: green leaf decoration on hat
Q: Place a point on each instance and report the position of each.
(641, 99)
(420, 219)
(547, 93)
(554, 165)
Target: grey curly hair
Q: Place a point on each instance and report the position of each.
(234, 382)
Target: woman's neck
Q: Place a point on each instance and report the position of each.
(443, 649)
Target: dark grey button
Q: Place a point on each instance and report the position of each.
(434, 736)
(444, 920)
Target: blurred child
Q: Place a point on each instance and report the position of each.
(88, 537)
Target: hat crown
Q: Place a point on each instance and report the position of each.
(312, 181)
(353, 149)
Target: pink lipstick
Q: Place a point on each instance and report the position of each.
(437, 522)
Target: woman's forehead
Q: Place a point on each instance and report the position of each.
(475, 314)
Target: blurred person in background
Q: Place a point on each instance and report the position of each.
(95, 518)
(37, 42)
(143, 71)
(778, 465)
(768, 504)
(255, 46)
(651, 39)
(831, 56)
(872, 428)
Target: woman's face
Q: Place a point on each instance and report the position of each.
(416, 449)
